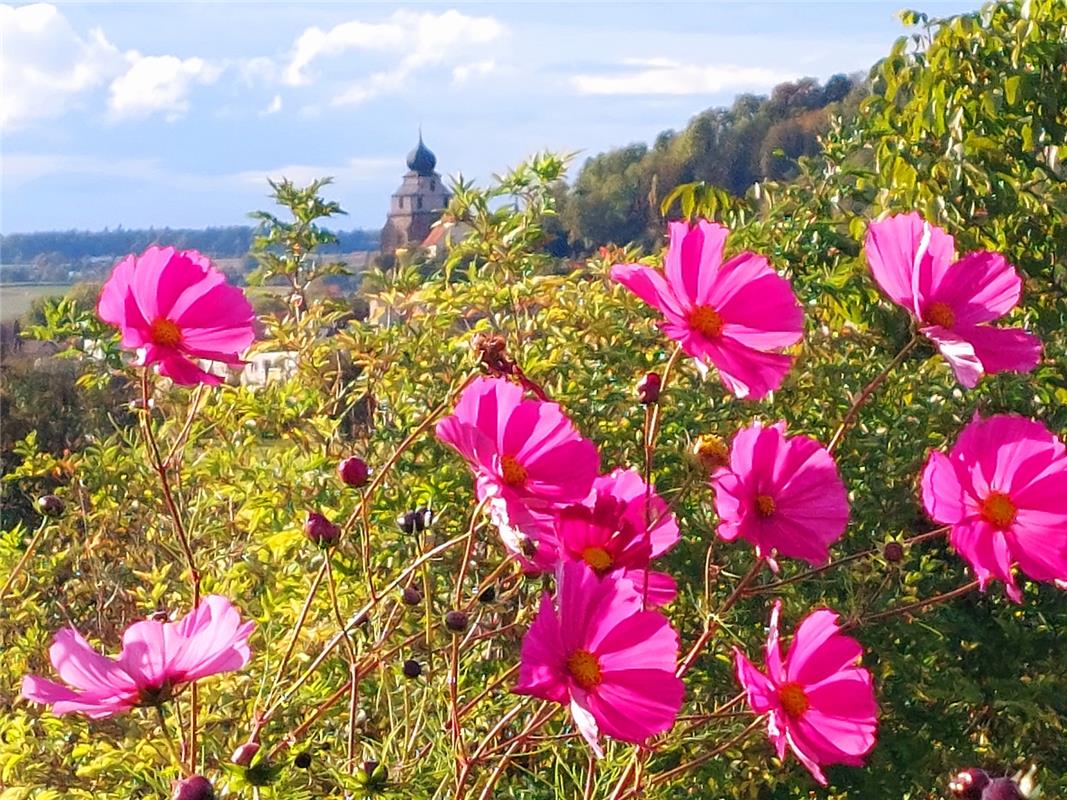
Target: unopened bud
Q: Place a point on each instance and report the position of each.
(50, 505)
(244, 754)
(969, 784)
(411, 596)
(893, 552)
(196, 787)
(320, 530)
(456, 621)
(648, 388)
(412, 668)
(372, 776)
(302, 760)
(415, 521)
(1002, 789)
(353, 471)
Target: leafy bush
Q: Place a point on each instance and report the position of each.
(978, 681)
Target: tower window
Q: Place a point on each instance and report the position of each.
(433, 186)
(420, 201)
(400, 202)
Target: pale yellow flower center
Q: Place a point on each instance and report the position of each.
(712, 452)
(597, 557)
(584, 668)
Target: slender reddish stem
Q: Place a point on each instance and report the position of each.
(712, 623)
(921, 605)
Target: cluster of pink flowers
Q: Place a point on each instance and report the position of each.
(599, 647)
(601, 643)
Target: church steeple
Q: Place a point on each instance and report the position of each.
(417, 204)
(421, 160)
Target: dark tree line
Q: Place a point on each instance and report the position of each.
(615, 195)
(76, 246)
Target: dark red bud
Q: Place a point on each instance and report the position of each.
(893, 552)
(50, 505)
(648, 388)
(320, 530)
(244, 754)
(353, 471)
(195, 788)
(302, 760)
(411, 596)
(968, 784)
(1002, 789)
(456, 621)
(412, 668)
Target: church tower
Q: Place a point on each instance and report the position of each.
(417, 204)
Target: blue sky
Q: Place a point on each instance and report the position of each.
(173, 114)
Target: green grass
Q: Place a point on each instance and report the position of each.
(16, 298)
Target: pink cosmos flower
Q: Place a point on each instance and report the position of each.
(781, 493)
(1003, 489)
(612, 662)
(915, 264)
(620, 498)
(157, 658)
(527, 456)
(819, 702)
(734, 315)
(173, 308)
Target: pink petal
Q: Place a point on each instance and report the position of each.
(185, 372)
(762, 695)
(649, 285)
(65, 701)
(643, 641)
(906, 256)
(980, 287)
(694, 255)
(758, 306)
(746, 372)
(586, 723)
(635, 704)
(987, 552)
(1002, 349)
(82, 667)
(542, 665)
(818, 649)
(942, 492)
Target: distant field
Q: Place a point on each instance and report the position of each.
(16, 298)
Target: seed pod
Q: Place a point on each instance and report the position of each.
(196, 787)
(415, 521)
(244, 754)
(411, 596)
(320, 530)
(302, 760)
(456, 621)
(893, 552)
(412, 668)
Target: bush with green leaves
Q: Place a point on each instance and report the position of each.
(965, 125)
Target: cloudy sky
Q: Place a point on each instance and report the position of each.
(174, 113)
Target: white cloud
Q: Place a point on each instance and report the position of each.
(414, 40)
(45, 65)
(275, 105)
(664, 76)
(158, 84)
(465, 72)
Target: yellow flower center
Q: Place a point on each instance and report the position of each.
(598, 558)
(998, 510)
(765, 505)
(794, 701)
(513, 473)
(712, 452)
(165, 333)
(940, 314)
(706, 320)
(584, 668)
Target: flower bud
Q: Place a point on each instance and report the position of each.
(49, 505)
(648, 388)
(893, 552)
(320, 530)
(968, 785)
(456, 621)
(711, 452)
(372, 776)
(412, 668)
(195, 788)
(415, 521)
(244, 754)
(353, 471)
(302, 760)
(411, 596)
(1002, 789)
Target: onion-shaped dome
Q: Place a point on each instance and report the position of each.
(421, 160)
